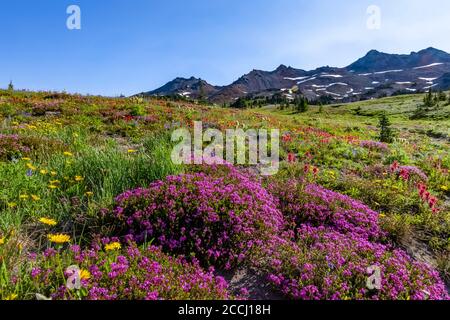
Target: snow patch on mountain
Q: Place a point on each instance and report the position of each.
(388, 71)
(429, 65)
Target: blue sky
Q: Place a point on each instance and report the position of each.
(129, 46)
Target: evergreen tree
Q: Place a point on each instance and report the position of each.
(428, 101)
(386, 133)
(11, 86)
(302, 105)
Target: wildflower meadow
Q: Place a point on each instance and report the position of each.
(92, 207)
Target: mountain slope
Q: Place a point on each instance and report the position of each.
(190, 88)
(379, 61)
(377, 74)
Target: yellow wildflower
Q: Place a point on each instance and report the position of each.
(30, 166)
(23, 196)
(51, 186)
(84, 274)
(12, 296)
(79, 178)
(54, 181)
(2, 240)
(44, 172)
(53, 173)
(35, 197)
(68, 154)
(58, 238)
(47, 221)
(132, 151)
(444, 188)
(112, 246)
(89, 193)
(26, 159)
(12, 204)
(382, 215)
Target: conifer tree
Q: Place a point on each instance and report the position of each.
(386, 134)
(428, 101)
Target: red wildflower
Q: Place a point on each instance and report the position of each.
(306, 168)
(292, 158)
(394, 166)
(432, 201)
(128, 118)
(404, 174)
(286, 138)
(315, 170)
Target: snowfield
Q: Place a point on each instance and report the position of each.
(388, 71)
(429, 65)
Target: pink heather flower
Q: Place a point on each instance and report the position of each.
(218, 215)
(344, 259)
(50, 252)
(35, 272)
(146, 274)
(375, 145)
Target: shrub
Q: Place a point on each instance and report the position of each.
(41, 108)
(130, 273)
(410, 173)
(374, 145)
(313, 204)
(11, 146)
(219, 219)
(325, 264)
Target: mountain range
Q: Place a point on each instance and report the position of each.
(375, 75)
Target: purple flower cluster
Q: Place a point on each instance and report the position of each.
(412, 172)
(325, 264)
(40, 108)
(318, 206)
(128, 274)
(219, 218)
(10, 146)
(332, 241)
(374, 145)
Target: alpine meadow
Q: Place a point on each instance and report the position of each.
(323, 183)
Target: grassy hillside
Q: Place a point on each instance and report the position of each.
(65, 158)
